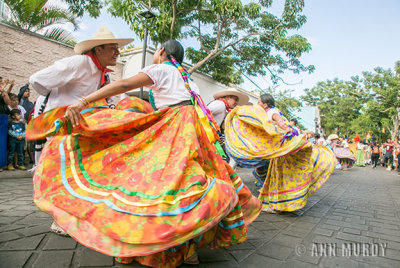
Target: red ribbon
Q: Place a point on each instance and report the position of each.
(96, 61)
(226, 104)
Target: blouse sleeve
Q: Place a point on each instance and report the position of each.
(155, 73)
(271, 112)
(218, 110)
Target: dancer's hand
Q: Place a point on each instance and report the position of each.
(294, 131)
(73, 113)
(289, 135)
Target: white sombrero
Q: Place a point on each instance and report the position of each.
(243, 99)
(333, 137)
(101, 37)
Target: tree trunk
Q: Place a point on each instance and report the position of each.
(200, 63)
(396, 124)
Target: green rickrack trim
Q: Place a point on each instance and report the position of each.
(233, 175)
(69, 127)
(151, 99)
(219, 148)
(121, 188)
(236, 208)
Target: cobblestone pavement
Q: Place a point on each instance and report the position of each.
(354, 216)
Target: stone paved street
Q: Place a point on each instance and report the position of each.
(359, 206)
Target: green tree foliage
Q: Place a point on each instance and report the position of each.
(340, 103)
(38, 16)
(383, 109)
(367, 104)
(229, 37)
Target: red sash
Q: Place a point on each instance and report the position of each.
(104, 70)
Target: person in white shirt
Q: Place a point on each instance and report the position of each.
(73, 78)
(69, 79)
(267, 102)
(320, 139)
(345, 144)
(223, 103)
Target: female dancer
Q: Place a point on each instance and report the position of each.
(140, 184)
(343, 153)
(297, 168)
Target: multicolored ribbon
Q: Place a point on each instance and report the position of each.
(289, 135)
(207, 120)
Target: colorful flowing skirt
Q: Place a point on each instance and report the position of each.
(133, 182)
(360, 162)
(342, 153)
(296, 170)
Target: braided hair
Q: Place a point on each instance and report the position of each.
(175, 53)
(174, 49)
(268, 99)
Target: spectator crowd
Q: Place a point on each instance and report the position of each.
(15, 113)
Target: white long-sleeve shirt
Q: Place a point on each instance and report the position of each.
(218, 110)
(67, 80)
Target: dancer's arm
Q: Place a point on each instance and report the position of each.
(112, 89)
(278, 119)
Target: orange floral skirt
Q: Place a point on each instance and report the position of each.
(133, 182)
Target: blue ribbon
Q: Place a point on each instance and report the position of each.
(112, 205)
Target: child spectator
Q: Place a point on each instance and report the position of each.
(14, 105)
(16, 132)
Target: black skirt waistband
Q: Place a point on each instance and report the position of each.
(182, 103)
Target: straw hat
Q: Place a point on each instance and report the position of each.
(305, 132)
(101, 37)
(243, 99)
(333, 137)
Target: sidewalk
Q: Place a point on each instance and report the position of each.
(354, 210)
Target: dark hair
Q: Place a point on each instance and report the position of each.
(12, 96)
(174, 49)
(268, 99)
(294, 120)
(93, 49)
(317, 136)
(14, 112)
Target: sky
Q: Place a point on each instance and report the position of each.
(347, 38)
